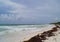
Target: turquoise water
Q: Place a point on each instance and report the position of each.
(11, 28)
(2, 29)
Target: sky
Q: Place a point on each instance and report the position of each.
(29, 11)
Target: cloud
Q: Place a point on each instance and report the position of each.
(10, 9)
(29, 11)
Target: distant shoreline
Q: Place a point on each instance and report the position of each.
(27, 24)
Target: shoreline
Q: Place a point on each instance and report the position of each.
(47, 36)
(21, 36)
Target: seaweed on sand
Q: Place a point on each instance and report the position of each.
(44, 35)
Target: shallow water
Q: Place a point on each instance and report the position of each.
(6, 30)
(12, 28)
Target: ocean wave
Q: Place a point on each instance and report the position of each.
(11, 29)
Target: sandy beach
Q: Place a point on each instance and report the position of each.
(20, 36)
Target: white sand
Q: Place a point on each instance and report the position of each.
(54, 38)
(21, 36)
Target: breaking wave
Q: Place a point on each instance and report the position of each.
(10, 29)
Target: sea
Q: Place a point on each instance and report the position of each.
(9, 29)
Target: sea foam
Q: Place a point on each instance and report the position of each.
(11, 29)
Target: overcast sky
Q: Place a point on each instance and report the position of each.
(29, 11)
